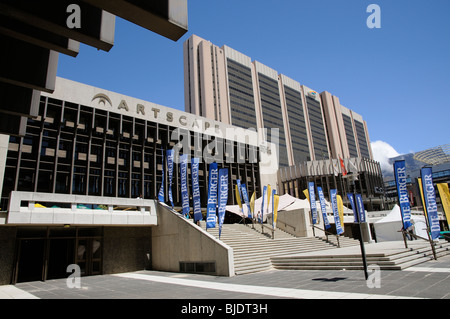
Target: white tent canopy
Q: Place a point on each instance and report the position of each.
(286, 203)
(387, 228)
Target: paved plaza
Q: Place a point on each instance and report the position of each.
(427, 280)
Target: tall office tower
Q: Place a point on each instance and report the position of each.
(271, 111)
(317, 124)
(225, 85)
(347, 131)
(298, 125)
(205, 80)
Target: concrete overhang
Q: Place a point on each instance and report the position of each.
(17, 100)
(13, 125)
(96, 27)
(168, 18)
(43, 38)
(32, 34)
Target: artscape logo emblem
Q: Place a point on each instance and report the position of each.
(102, 98)
(312, 94)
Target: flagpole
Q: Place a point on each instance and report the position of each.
(426, 217)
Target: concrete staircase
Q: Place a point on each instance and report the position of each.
(253, 250)
(396, 259)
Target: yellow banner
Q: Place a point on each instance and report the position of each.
(340, 205)
(238, 197)
(306, 192)
(276, 199)
(269, 195)
(419, 180)
(252, 204)
(444, 193)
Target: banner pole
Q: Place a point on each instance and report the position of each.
(400, 204)
(426, 216)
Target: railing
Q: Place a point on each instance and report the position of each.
(406, 233)
(327, 233)
(287, 225)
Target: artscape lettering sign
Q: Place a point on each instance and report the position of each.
(155, 113)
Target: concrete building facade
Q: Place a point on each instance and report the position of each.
(83, 182)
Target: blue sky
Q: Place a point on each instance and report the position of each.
(397, 77)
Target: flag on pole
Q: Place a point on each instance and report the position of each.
(306, 193)
(169, 154)
(444, 193)
(262, 204)
(161, 188)
(196, 190)
(351, 199)
(360, 208)
(252, 204)
(274, 191)
(223, 196)
(276, 200)
(245, 197)
(312, 202)
(430, 202)
(184, 186)
(419, 180)
(334, 207)
(211, 207)
(237, 194)
(323, 207)
(344, 171)
(340, 206)
(400, 180)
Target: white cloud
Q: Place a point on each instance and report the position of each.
(382, 152)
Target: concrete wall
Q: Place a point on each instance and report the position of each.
(297, 222)
(7, 250)
(176, 240)
(126, 249)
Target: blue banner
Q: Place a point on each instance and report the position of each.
(211, 207)
(351, 199)
(170, 173)
(323, 207)
(196, 190)
(184, 185)
(312, 202)
(161, 188)
(403, 198)
(274, 192)
(223, 196)
(429, 196)
(334, 207)
(246, 200)
(261, 216)
(360, 207)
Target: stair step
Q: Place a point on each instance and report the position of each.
(255, 252)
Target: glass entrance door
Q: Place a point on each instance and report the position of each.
(89, 256)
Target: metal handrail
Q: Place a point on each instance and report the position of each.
(286, 224)
(432, 244)
(328, 233)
